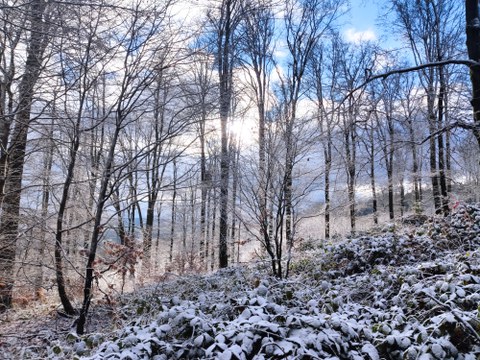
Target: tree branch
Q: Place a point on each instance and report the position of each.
(466, 62)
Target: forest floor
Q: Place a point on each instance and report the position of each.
(408, 292)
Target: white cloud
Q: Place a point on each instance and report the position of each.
(357, 36)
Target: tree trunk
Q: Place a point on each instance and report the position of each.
(193, 235)
(441, 147)
(203, 189)
(225, 57)
(415, 168)
(59, 231)
(173, 210)
(328, 166)
(432, 127)
(235, 150)
(97, 230)
(350, 155)
(184, 255)
(389, 156)
(147, 237)
(207, 228)
(473, 47)
(403, 204)
(288, 190)
(48, 162)
(372, 177)
(214, 229)
(153, 174)
(122, 234)
(7, 96)
(224, 182)
(69, 177)
(391, 209)
(157, 237)
(448, 161)
(10, 217)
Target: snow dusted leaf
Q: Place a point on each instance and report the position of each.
(226, 355)
(246, 314)
(80, 347)
(247, 344)
(198, 341)
(175, 300)
(390, 340)
(112, 349)
(315, 322)
(460, 292)
(385, 329)
(255, 319)
(438, 351)
(220, 339)
(262, 290)
(403, 342)
(359, 310)
(347, 329)
(237, 351)
(371, 351)
(130, 340)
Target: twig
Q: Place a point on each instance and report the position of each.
(457, 316)
(28, 336)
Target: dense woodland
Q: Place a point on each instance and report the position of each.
(148, 137)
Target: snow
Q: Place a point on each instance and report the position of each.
(396, 295)
(371, 351)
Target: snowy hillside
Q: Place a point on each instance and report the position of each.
(409, 293)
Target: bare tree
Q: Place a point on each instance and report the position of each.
(305, 23)
(140, 40)
(199, 94)
(386, 128)
(257, 46)
(410, 109)
(81, 81)
(352, 61)
(168, 121)
(38, 23)
(326, 117)
(430, 29)
(225, 20)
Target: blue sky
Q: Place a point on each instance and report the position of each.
(364, 13)
(361, 20)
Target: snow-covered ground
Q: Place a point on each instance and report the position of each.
(412, 292)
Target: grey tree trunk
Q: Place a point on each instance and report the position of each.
(235, 151)
(372, 177)
(154, 174)
(48, 162)
(214, 230)
(9, 221)
(473, 47)
(173, 211)
(350, 139)
(97, 229)
(415, 167)
(225, 56)
(207, 229)
(204, 183)
(432, 127)
(440, 142)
